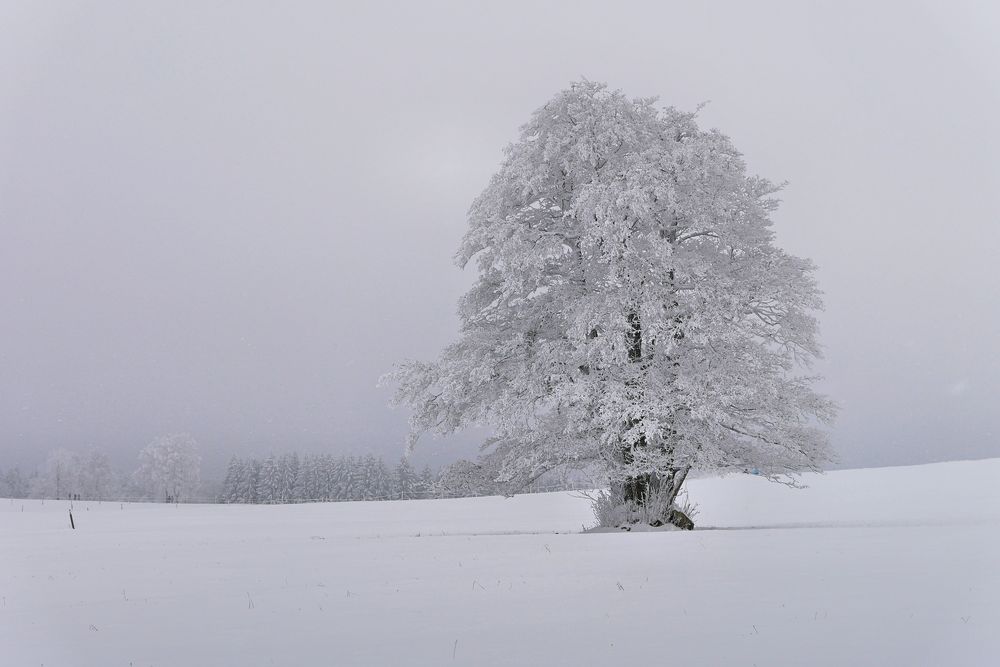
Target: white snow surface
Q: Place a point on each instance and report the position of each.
(890, 566)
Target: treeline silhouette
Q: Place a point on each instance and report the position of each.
(290, 478)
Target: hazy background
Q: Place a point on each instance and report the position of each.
(231, 218)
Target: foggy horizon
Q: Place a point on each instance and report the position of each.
(231, 223)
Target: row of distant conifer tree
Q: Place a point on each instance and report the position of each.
(290, 478)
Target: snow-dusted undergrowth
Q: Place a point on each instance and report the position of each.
(865, 567)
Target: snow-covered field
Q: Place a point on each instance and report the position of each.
(891, 566)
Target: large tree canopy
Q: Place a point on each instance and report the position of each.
(631, 306)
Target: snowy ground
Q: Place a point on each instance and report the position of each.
(892, 566)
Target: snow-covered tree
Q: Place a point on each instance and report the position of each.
(631, 309)
(404, 480)
(327, 477)
(343, 479)
(14, 484)
(377, 480)
(425, 483)
(68, 475)
(250, 482)
(60, 478)
(270, 481)
(230, 485)
(356, 483)
(305, 483)
(288, 471)
(169, 467)
(97, 479)
(463, 479)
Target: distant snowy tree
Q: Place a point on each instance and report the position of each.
(631, 309)
(357, 483)
(363, 475)
(13, 484)
(404, 480)
(60, 479)
(170, 467)
(425, 483)
(464, 479)
(68, 475)
(270, 481)
(97, 479)
(250, 484)
(350, 482)
(288, 471)
(305, 484)
(380, 480)
(230, 485)
(327, 477)
(341, 479)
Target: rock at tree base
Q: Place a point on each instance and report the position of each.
(674, 519)
(677, 518)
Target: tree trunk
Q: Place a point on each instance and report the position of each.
(636, 488)
(640, 488)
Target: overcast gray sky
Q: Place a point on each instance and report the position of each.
(231, 218)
